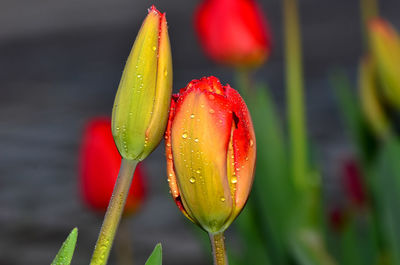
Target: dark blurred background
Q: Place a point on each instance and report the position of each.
(60, 64)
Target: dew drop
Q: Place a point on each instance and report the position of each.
(212, 111)
(222, 199)
(192, 180)
(192, 116)
(251, 142)
(165, 72)
(198, 171)
(184, 135)
(234, 180)
(196, 140)
(154, 48)
(170, 156)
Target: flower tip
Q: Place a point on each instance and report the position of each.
(155, 10)
(380, 25)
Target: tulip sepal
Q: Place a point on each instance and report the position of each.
(218, 248)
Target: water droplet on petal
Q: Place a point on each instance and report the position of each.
(234, 180)
(212, 111)
(184, 135)
(222, 199)
(196, 140)
(154, 48)
(192, 180)
(192, 116)
(251, 142)
(170, 156)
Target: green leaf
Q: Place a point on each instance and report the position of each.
(357, 243)
(308, 248)
(64, 255)
(156, 256)
(254, 250)
(387, 179)
(353, 117)
(272, 190)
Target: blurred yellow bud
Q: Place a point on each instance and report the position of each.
(385, 49)
(370, 98)
(143, 98)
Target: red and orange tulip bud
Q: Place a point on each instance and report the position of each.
(385, 48)
(211, 153)
(141, 105)
(99, 166)
(233, 32)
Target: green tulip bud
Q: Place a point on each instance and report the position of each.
(143, 98)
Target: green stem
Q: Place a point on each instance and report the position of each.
(244, 80)
(294, 83)
(123, 243)
(218, 247)
(114, 212)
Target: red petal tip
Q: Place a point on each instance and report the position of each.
(154, 9)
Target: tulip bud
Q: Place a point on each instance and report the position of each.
(385, 48)
(371, 104)
(233, 32)
(99, 166)
(211, 152)
(141, 105)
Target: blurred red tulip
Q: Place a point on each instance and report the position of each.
(99, 167)
(233, 32)
(353, 183)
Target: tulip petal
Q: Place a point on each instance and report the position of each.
(244, 148)
(370, 98)
(172, 181)
(163, 90)
(385, 47)
(134, 101)
(199, 137)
